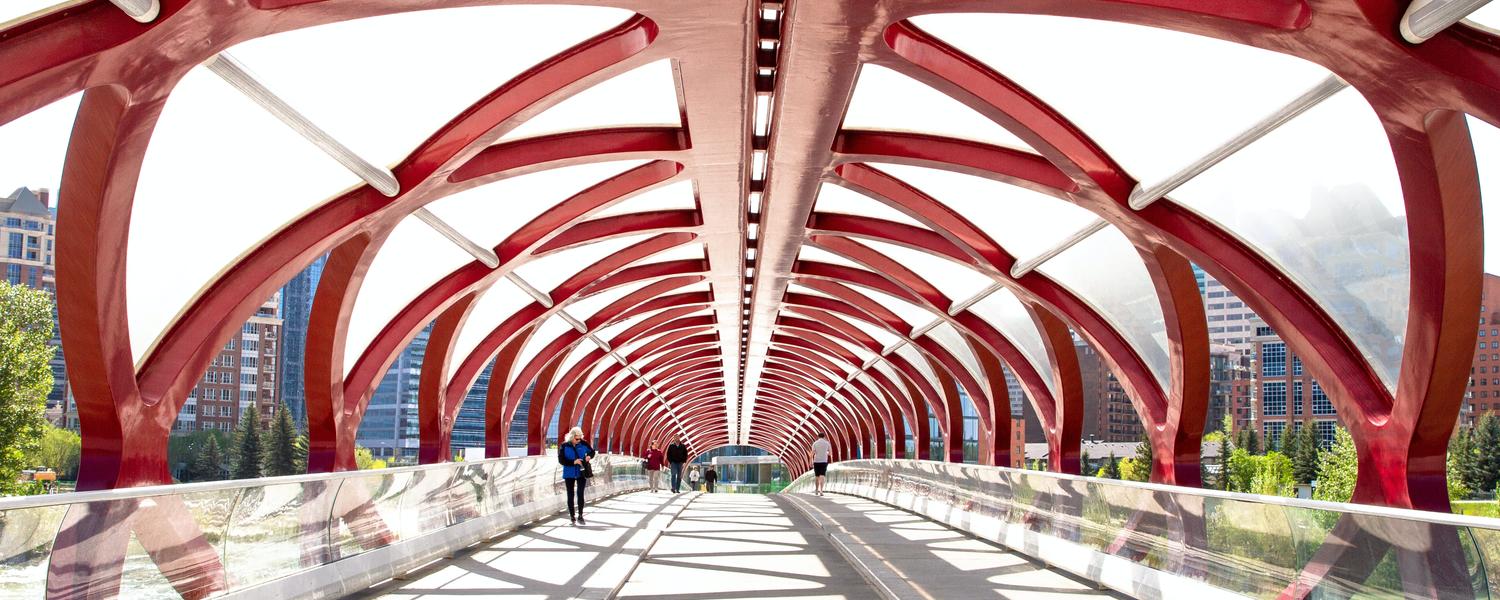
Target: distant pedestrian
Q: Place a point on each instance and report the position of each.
(710, 477)
(693, 479)
(677, 453)
(654, 459)
(821, 449)
(575, 454)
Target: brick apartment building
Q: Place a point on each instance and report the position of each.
(28, 232)
(1287, 398)
(243, 380)
(1483, 393)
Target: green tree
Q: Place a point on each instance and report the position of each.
(1458, 489)
(1083, 462)
(1143, 457)
(1304, 451)
(1486, 449)
(1461, 460)
(365, 460)
(1111, 468)
(1239, 470)
(1337, 470)
(1273, 475)
(249, 453)
(1132, 469)
(281, 447)
(207, 465)
(1248, 440)
(25, 377)
(59, 449)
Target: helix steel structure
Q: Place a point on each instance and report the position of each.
(777, 304)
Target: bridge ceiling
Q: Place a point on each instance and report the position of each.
(842, 209)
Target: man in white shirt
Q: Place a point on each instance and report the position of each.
(820, 449)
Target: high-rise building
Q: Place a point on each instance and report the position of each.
(468, 430)
(28, 230)
(296, 307)
(1483, 393)
(243, 380)
(390, 425)
(1285, 397)
(1108, 415)
(1228, 317)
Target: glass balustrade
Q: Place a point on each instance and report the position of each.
(1256, 546)
(192, 540)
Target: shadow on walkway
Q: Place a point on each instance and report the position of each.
(550, 560)
(941, 562)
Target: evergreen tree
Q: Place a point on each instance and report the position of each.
(281, 451)
(1461, 461)
(248, 459)
(1083, 462)
(1111, 469)
(1485, 446)
(208, 465)
(1143, 455)
(1251, 443)
(1304, 454)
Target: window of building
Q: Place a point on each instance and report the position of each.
(1273, 431)
(1297, 366)
(249, 362)
(247, 395)
(229, 345)
(1296, 398)
(12, 222)
(1327, 432)
(1264, 330)
(250, 328)
(1218, 295)
(17, 245)
(1320, 403)
(247, 379)
(251, 345)
(1273, 398)
(1273, 359)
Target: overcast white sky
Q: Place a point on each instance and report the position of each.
(1154, 99)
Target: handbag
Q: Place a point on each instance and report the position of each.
(588, 469)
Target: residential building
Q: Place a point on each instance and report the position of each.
(1231, 381)
(243, 380)
(1286, 398)
(28, 230)
(1482, 396)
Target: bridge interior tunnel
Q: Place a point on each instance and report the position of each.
(746, 222)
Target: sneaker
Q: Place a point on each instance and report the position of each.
(572, 521)
(581, 521)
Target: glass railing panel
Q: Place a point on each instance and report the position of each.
(425, 502)
(1255, 546)
(367, 512)
(277, 530)
(26, 537)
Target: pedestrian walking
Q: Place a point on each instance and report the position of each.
(710, 477)
(693, 479)
(820, 450)
(654, 459)
(575, 454)
(677, 453)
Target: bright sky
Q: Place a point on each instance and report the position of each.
(1156, 100)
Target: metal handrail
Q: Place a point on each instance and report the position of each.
(19, 502)
(1408, 514)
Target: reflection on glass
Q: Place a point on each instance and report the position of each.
(1256, 546)
(1004, 312)
(1106, 271)
(194, 540)
(1331, 214)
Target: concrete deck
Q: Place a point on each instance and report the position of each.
(698, 546)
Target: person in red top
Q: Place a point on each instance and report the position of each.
(653, 468)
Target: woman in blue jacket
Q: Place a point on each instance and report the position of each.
(574, 455)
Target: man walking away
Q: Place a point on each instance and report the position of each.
(677, 453)
(710, 477)
(820, 450)
(653, 468)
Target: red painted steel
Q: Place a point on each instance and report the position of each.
(787, 362)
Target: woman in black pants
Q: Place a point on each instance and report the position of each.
(574, 455)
